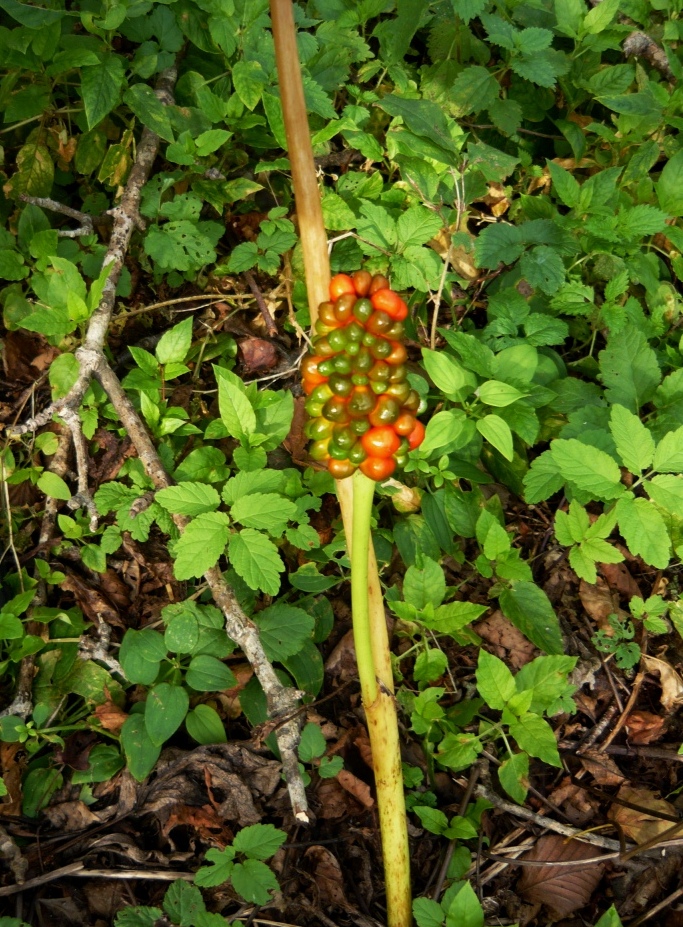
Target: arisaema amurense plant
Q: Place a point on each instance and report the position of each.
(350, 465)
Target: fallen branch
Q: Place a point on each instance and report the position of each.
(281, 700)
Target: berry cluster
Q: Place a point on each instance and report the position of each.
(363, 412)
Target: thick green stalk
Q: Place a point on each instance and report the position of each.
(363, 493)
(380, 712)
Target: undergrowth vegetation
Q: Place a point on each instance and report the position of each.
(518, 176)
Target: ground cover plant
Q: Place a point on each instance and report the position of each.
(179, 688)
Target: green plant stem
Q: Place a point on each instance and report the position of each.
(363, 493)
(372, 657)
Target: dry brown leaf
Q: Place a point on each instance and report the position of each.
(507, 642)
(328, 878)
(602, 768)
(356, 787)
(335, 802)
(640, 826)
(620, 580)
(644, 727)
(599, 603)
(562, 889)
(110, 716)
(671, 682)
(257, 354)
(70, 816)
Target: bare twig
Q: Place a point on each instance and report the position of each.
(82, 499)
(271, 327)
(87, 227)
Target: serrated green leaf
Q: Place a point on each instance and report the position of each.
(201, 545)
(236, 410)
(588, 469)
(175, 343)
(188, 498)
(495, 682)
(599, 18)
(629, 369)
(259, 841)
(670, 186)
(150, 110)
(543, 479)
(265, 511)
(668, 456)
(101, 88)
(499, 243)
(416, 226)
(634, 442)
(254, 881)
(474, 89)
(666, 491)
(256, 560)
(535, 736)
(283, 630)
(644, 531)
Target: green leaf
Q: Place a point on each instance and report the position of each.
(667, 491)
(634, 443)
(497, 432)
(201, 545)
(101, 88)
(453, 617)
(668, 457)
(495, 682)
(220, 869)
(256, 560)
(208, 674)
(430, 665)
(53, 485)
(259, 841)
(424, 118)
(529, 609)
(283, 629)
(428, 913)
(254, 881)
(141, 654)
(565, 185)
(670, 186)
(204, 725)
(474, 89)
(266, 511)
(644, 531)
(465, 909)
(184, 904)
(587, 468)
(543, 479)
(426, 585)
(498, 243)
(139, 916)
(599, 18)
(535, 736)
(236, 410)
(448, 374)
(443, 428)
(542, 267)
(499, 394)
(188, 498)
(629, 369)
(610, 919)
(312, 743)
(150, 110)
(513, 774)
(416, 226)
(175, 343)
(140, 750)
(165, 710)
(432, 819)
(31, 16)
